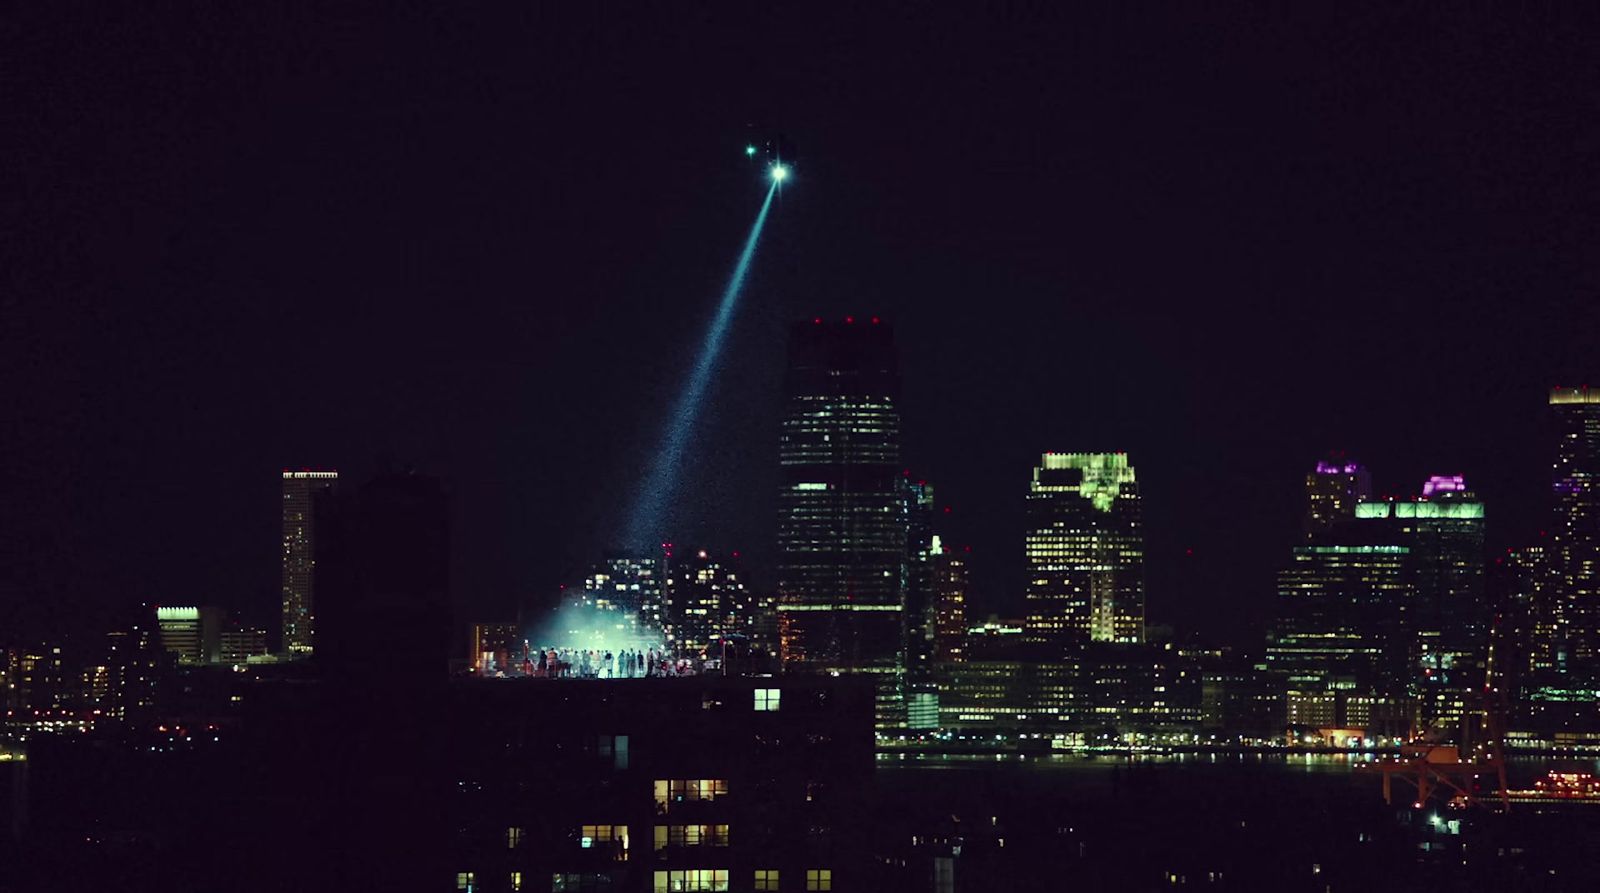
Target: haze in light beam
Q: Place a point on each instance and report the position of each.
(655, 492)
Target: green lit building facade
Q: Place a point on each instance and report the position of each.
(1084, 550)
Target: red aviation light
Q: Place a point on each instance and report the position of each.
(876, 320)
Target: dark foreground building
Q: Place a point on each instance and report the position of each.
(686, 784)
(666, 784)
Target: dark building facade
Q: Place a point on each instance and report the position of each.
(841, 518)
(383, 576)
(688, 784)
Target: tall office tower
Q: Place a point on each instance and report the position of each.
(1530, 591)
(841, 522)
(1333, 489)
(383, 581)
(950, 605)
(299, 550)
(1446, 609)
(1575, 535)
(630, 583)
(707, 604)
(917, 620)
(1085, 550)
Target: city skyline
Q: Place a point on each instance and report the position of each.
(924, 448)
(1273, 256)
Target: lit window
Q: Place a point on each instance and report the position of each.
(513, 837)
(516, 880)
(670, 791)
(819, 879)
(613, 837)
(466, 880)
(690, 835)
(766, 879)
(692, 880)
(767, 699)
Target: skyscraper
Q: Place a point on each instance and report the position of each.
(950, 604)
(631, 583)
(1084, 550)
(919, 690)
(1575, 535)
(1333, 489)
(1445, 614)
(299, 549)
(707, 602)
(841, 521)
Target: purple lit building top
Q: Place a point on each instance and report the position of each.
(1443, 483)
(1337, 468)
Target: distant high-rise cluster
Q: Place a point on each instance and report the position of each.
(299, 556)
(1084, 550)
(1382, 614)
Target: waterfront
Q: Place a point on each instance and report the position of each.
(1244, 822)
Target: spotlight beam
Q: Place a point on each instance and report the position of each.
(644, 528)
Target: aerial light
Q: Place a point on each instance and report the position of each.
(779, 172)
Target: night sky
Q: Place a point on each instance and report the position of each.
(485, 243)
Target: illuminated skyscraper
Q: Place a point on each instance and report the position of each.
(841, 517)
(1333, 489)
(1085, 550)
(919, 691)
(1446, 621)
(299, 544)
(707, 602)
(949, 604)
(631, 583)
(1573, 637)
